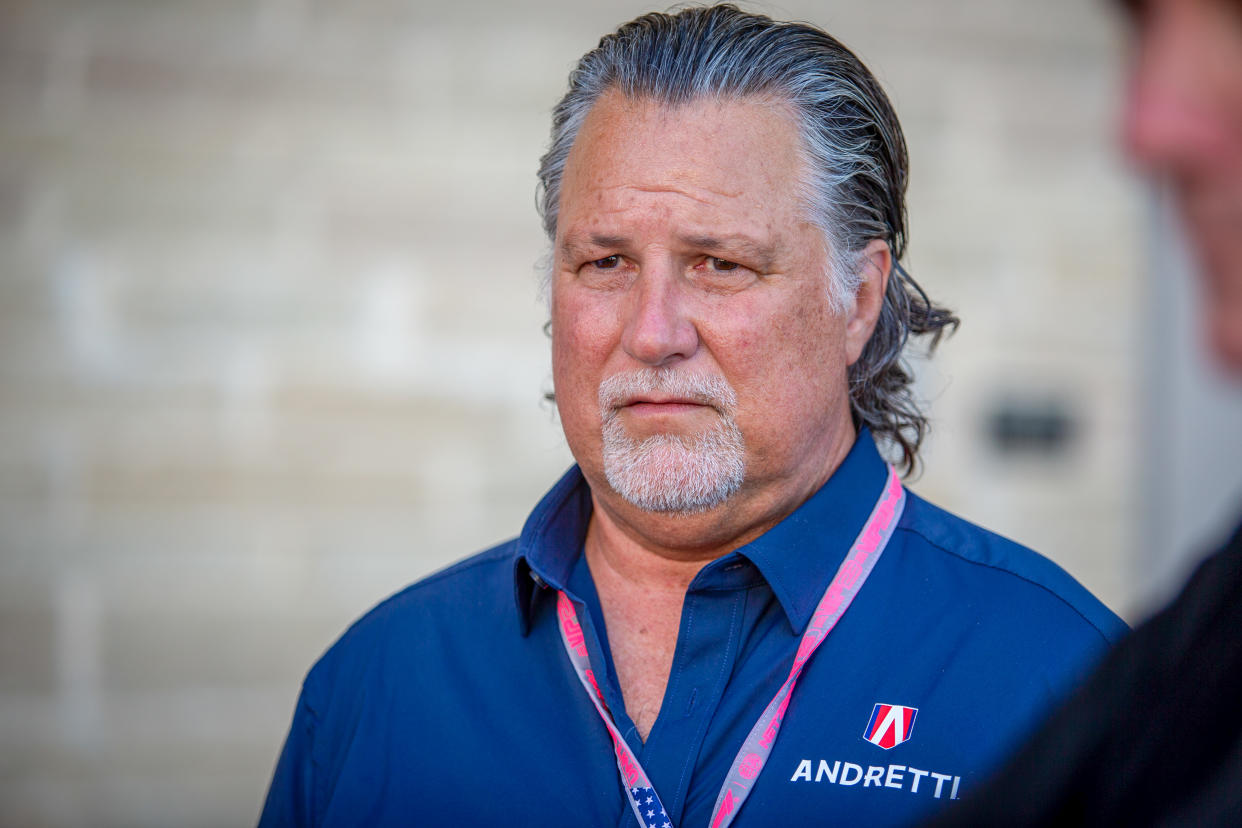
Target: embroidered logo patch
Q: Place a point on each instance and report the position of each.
(890, 725)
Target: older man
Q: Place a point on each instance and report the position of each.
(729, 608)
(1155, 737)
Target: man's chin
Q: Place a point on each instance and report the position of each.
(666, 475)
(1226, 333)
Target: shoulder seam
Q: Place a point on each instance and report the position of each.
(487, 556)
(1044, 587)
(496, 554)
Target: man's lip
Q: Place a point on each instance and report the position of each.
(662, 406)
(660, 401)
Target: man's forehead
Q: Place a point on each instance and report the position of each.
(709, 150)
(616, 109)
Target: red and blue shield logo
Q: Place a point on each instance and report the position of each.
(890, 725)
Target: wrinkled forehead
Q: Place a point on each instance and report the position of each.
(624, 110)
(730, 143)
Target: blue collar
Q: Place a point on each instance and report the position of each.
(797, 557)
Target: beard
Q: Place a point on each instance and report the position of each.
(672, 472)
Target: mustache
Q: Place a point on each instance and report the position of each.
(703, 389)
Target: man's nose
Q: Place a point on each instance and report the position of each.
(1168, 121)
(658, 331)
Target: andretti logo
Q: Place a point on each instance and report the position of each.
(890, 725)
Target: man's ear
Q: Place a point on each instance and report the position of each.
(876, 265)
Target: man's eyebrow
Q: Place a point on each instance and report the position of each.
(572, 244)
(762, 254)
(1135, 9)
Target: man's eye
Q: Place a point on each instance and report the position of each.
(606, 263)
(723, 264)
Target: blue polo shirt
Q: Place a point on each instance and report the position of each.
(454, 702)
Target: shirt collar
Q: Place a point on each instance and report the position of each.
(551, 541)
(798, 557)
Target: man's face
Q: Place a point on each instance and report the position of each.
(1184, 122)
(697, 358)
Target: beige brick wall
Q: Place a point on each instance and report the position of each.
(270, 343)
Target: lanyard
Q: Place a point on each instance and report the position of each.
(753, 755)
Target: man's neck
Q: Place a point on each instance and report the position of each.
(615, 553)
(641, 595)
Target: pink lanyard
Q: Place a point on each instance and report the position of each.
(749, 762)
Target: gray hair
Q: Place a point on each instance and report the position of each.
(855, 154)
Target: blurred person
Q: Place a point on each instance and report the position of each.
(1155, 736)
(730, 560)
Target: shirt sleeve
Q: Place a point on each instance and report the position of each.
(290, 795)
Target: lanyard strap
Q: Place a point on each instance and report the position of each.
(752, 757)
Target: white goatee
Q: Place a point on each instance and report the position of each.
(672, 472)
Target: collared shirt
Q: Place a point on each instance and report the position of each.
(454, 702)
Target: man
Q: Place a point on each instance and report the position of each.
(1155, 737)
(730, 608)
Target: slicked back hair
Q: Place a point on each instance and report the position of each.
(854, 157)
